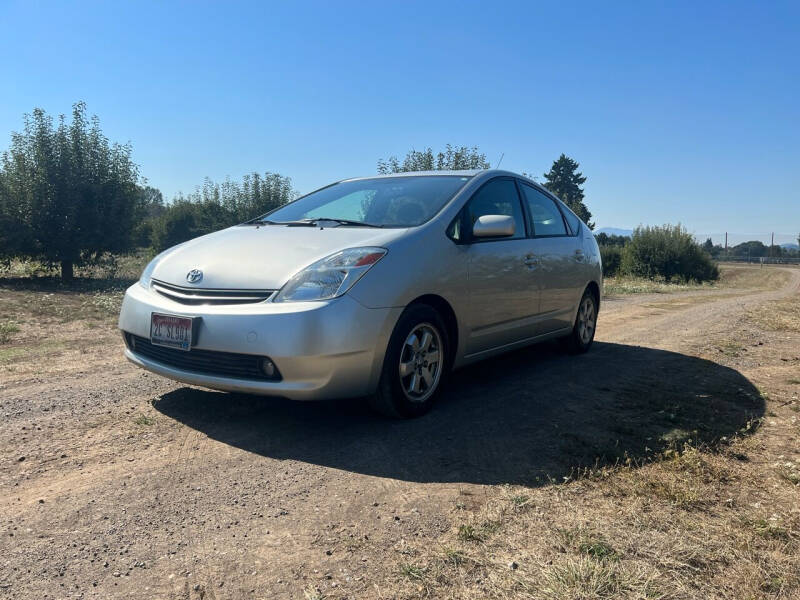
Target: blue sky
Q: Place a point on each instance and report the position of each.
(676, 111)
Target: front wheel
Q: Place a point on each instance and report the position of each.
(582, 336)
(414, 365)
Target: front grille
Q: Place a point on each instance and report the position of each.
(206, 362)
(196, 296)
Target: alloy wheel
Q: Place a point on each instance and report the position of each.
(420, 365)
(587, 320)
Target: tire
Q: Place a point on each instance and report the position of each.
(582, 336)
(415, 364)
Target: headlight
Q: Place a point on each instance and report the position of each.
(147, 274)
(330, 277)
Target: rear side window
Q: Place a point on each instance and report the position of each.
(545, 218)
(498, 197)
(572, 219)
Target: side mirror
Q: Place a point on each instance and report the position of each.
(493, 226)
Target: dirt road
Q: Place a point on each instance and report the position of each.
(117, 483)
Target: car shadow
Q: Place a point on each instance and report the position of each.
(527, 417)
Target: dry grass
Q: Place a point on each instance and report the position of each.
(679, 527)
(783, 315)
(42, 318)
(768, 277)
(7, 329)
(122, 266)
(45, 322)
(615, 286)
(731, 277)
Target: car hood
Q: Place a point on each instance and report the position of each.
(261, 258)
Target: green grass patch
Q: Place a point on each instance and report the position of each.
(7, 329)
(467, 533)
(412, 571)
(143, 420)
(587, 543)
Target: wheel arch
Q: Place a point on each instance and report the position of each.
(594, 288)
(443, 307)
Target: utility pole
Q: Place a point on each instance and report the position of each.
(771, 244)
(726, 243)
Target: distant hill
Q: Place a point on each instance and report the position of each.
(790, 246)
(614, 231)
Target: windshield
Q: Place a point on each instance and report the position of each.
(379, 202)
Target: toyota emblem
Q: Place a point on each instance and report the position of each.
(194, 276)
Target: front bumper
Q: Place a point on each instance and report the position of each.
(330, 349)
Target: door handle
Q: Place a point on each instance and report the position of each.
(579, 255)
(531, 261)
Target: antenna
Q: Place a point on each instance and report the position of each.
(497, 166)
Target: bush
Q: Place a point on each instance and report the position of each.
(182, 221)
(668, 252)
(612, 258)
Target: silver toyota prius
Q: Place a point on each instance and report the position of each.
(375, 287)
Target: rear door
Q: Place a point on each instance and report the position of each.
(504, 298)
(559, 261)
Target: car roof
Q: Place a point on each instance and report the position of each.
(485, 173)
(462, 173)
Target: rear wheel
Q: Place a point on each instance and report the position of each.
(582, 336)
(414, 365)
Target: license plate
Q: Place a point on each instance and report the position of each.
(171, 331)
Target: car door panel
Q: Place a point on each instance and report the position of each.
(504, 297)
(559, 281)
(560, 258)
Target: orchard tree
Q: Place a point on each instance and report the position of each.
(565, 181)
(214, 206)
(66, 193)
(149, 208)
(453, 158)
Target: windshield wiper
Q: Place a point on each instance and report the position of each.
(302, 223)
(313, 222)
(343, 222)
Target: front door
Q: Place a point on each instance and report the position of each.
(504, 298)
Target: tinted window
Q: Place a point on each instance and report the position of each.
(384, 201)
(572, 219)
(544, 214)
(498, 197)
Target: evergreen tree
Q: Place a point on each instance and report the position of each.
(564, 180)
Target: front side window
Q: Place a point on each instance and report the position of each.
(498, 197)
(545, 218)
(378, 202)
